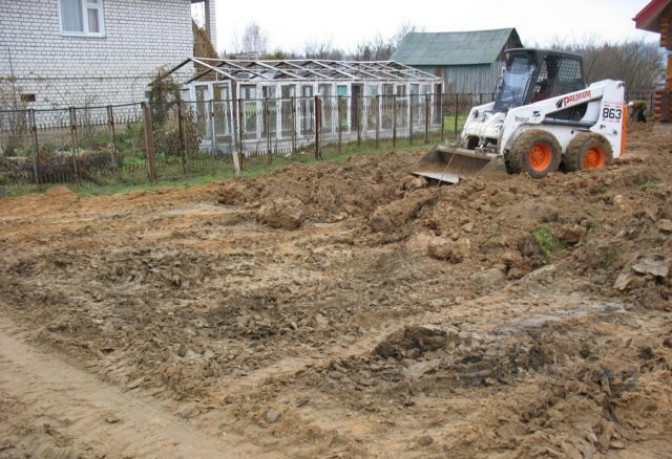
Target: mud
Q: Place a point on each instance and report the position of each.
(348, 310)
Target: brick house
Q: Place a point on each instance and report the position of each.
(60, 53)
(657, 17)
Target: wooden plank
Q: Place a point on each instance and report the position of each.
(236, 162)
(665, 22)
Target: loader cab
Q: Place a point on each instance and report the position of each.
(532, 75)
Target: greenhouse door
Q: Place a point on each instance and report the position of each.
(223, 122)
(202, 98)
(355, 109)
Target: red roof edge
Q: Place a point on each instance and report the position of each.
(649, 12)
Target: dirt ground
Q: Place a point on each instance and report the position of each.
(344, 310)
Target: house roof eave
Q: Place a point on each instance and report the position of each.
(648, 18)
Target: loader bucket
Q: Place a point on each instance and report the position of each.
(449, 165)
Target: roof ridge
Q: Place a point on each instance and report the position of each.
(474, 47)
(463, 31)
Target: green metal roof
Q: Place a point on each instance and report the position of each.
(454, 48)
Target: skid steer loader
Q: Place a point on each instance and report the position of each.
(543, 117)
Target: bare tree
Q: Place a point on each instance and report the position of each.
(377, 49)
(380, 49)
(637, 62)
(253, 41)
(322, 50)
(404, 29)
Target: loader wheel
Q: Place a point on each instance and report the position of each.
(588, 151)
(536, 152)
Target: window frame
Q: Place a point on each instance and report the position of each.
(85, 20)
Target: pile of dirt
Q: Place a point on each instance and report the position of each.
(281, 213)
(327, 191)
(56, 199)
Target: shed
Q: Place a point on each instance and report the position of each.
(468, 62)
(657, 17)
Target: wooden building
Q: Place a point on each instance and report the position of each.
(468, 62)
(657, 17)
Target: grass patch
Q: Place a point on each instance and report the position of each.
(449, 122)
(647, 185)
(90, 189)
(204, 170)
(547, 241)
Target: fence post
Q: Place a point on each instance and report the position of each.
(410, 119)
(149, 142)
(36, 146)
(241, 119)
(113, 141)
(457, 110)
(292, 111)
(339, 114)
(183, 142)
(189, 117)
(394, 121)
(267, 125)
(358, 116)
(213, 135)
(379, 115)
(428, 113)
(442, 102)
(318, 126)
(75, 144)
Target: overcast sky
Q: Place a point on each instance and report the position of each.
(290, 24)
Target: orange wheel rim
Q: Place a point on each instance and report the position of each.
(594, 159)
(541, 157)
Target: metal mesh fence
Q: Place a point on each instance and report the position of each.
(109, 145)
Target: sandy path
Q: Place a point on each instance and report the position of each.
(100, 417)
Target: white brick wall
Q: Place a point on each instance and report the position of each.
(140, 37)
(210, 16)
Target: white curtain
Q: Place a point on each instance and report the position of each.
(71, 16)
(94, 25)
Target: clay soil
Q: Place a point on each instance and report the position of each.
(344, 310)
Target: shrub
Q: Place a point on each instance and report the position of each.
(167, 138)
(547, 241)
(163, 100)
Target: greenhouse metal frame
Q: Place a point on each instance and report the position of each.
(279, 105)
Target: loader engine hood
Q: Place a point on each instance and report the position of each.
(484, 124)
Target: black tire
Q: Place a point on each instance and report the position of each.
(588, 151)
(520, 157)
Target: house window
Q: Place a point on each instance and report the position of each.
(82, 17)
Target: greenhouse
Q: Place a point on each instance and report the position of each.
(281, 105)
